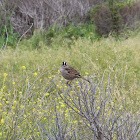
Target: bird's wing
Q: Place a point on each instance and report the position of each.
(71, 70)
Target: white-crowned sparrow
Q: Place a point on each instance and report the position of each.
(69, 73)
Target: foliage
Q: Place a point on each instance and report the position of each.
(69, 33)
(8, 36)
(86, 30)
(36, 103)
(110, 17)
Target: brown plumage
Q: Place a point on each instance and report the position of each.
(70, 73)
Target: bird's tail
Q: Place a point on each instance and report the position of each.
(85, 79)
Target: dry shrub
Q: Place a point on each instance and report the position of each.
(46, 13)
(6, 9)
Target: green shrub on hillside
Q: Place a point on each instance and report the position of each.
(114, 16)
(8, 36)
(69, 33)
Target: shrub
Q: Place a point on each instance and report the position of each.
(101, 16)
(7, 34)
(115, 16)
(131, 15)
(69, 33)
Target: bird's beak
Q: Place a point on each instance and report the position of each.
(64, 65)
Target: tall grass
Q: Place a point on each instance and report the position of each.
(31, 107)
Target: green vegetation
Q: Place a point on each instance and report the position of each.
(114, 17)
(59, 35)
(30, 81)
(8, 36)
(36, 103)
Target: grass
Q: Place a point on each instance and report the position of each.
(28, 94)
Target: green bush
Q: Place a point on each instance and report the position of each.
(109, 17)
(7, 35)
(81, 30)
(57, 34)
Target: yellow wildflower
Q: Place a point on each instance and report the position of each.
(5, 74)
(20, 92)
(57, 107)
(35, 73)
(62, 95)
(0, 134)
(62, 105)
(71, 92)
(76, 82)
(66, 114)
(27, 80)
(58, 71)
(45, 118)
(67, 111)
(15, 102)
(23, 67)
(47, 94)
(86, 73)
(13, 83)
(75, 121)
(7, 102)
(22, 106)
(13, 107)
(37, 93)
(2, 121)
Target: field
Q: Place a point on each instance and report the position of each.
(36, 103)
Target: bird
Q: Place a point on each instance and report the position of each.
(70, 73)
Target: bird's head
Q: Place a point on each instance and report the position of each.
(64, 64)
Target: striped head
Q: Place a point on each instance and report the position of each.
(64, 64)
